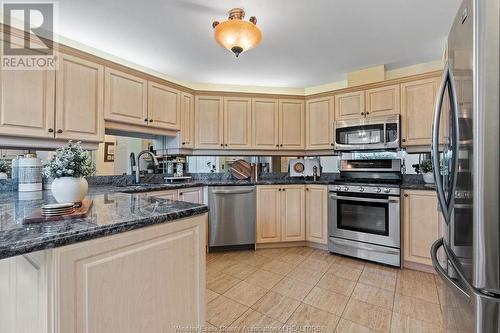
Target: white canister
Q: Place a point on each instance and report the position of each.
(29, 173)
(15, 167)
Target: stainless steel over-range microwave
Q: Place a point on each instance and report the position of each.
(374, 133)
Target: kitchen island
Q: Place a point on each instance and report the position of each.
(135, 264)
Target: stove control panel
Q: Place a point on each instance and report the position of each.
(365, 189)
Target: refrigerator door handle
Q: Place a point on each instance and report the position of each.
(435, 145)
(441, 271)
(455, 133)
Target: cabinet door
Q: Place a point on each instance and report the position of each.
(319, 123)
(27, 103)
(265, 123)
(194, 195)
(316, 214)
(417, 110)
(187, 121)
(209, 122)
(79, 99)
(350, 105)
(421, 225)
(291, 114)
(293, 225)
(237, 123)
(125, 97)
(382, 101)
(168, 195)
(164, 106)
(268, 214)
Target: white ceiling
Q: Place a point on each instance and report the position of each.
(305, 42)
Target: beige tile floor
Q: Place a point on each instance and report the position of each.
(301, 289)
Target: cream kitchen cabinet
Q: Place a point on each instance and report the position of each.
(268, 226)
(350, 105)
(319, 123)
(125, 98)
(265, 127)
(293, 215)
(187, 121)
(383, 101)
(317, 214)
(191, 194)
(27, 100)
(420, 225)
(209, 123)
(79, 99)
(291, 124)
(417, 111)
(164, 106)
(237, 122)
(280, 213)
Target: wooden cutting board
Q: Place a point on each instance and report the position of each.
(82, 211)
(241, 169)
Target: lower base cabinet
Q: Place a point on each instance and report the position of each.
(420, 226)
(287, 213)
(192, 194)
(146, 280)
(317, 214)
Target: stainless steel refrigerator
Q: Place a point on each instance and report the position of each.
(466, 168)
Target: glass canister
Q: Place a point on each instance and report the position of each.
(29, 173)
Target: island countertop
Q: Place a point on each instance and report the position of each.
(111, 213)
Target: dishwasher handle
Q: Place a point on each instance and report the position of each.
(239, 191)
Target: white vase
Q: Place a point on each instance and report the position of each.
(69, 189)
(428, 177)
(3, 175)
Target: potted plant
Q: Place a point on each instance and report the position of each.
(68, 167)
(3, 169)
(425, 168)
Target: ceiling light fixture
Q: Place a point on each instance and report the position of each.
(235, 34)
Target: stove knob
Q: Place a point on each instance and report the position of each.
(346, 188)
(339, 188)
(361, 189)
(387, 190)
(378, 190)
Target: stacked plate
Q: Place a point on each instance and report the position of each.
(58, 209)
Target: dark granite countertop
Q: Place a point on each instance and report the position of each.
(112, 212)
(416, 182)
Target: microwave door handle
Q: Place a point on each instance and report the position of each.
(455, 133)
(435, 146)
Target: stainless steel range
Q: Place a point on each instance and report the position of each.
(364, 211)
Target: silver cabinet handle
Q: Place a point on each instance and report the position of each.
(336, 197)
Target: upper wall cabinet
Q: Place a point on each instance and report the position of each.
(265, 129)
(164, 109)
(187, 121)
(319, 123)
(382, 101)
(291, 129)
(27, 103)
(79, 99)
(417, 110)
(209, 122)
(350, 105)
(237, 122)
(125, 98)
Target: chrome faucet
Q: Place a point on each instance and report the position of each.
(138, 164)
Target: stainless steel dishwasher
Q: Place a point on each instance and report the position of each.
(232, 215)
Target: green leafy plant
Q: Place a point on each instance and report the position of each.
(69, 161)
(4, 167)
(423, 167)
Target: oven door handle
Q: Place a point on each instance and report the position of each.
(336, 197)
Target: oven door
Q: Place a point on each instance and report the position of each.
(369, 218)
(367, 134)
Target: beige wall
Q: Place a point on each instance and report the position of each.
(104, 168)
